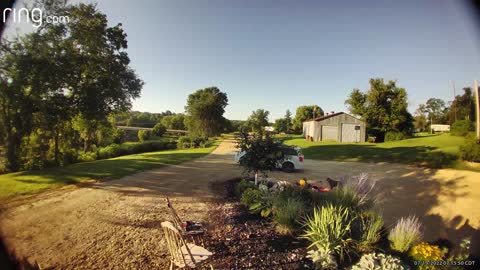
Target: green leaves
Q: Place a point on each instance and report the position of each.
(205, 109)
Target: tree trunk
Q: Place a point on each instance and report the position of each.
(56, 153)
(256, 178)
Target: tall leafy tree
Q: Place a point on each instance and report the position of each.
(205, 109)
(288, 121)
(435, 109)
(462, 107)
(258, 120)
(73, 70)
(281, 125)
(384, 107)
(304, 113)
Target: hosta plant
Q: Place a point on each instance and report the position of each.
(405, 234)
(378, 261)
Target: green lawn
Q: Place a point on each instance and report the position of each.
(435, 151)
(29, 182)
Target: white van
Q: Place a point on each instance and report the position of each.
(293, 158)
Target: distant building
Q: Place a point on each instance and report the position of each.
(440, 128)
(270, 129)
(340, 127)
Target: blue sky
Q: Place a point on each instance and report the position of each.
(278, 55)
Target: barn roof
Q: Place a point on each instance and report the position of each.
(327, 116)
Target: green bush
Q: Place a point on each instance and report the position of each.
(462, 127)
(143, 135)
(192, 141)
(304, 195)
(470, 150)
(159, 129)
(119, 136)
(378, 261)
(329, 229)
(89, 156)
(251, 196)
(394, 136)
(405, 234)
(242, 186)
(287, 214)
(116, 150)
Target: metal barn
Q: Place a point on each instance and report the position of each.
(340, 127)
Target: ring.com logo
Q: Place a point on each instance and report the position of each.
(34, 15)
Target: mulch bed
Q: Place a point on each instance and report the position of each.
(240, 240)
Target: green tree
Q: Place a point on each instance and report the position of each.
(159, 129)
(288, 120)
(435, 109)
(281, 125)
(62, 72)
(258, 120)
(261, 154)
(175, 121)
(205, 109)
(462, 107)
(383, 107)
(304, 113)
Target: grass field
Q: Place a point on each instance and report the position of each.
(436, 151)
(29, 182)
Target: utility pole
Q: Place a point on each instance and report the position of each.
(454, 103)
(477, 106)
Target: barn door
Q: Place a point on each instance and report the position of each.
(350, 133)
(329, 133)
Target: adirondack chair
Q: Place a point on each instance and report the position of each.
(192, 229)
(182, 254)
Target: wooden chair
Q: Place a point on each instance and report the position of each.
(192, 229)
(182, 254)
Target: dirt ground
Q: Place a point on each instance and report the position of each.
(116, 224)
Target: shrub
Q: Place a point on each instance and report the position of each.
(287, 214)
(115, 150)
(323, 258)
(378, 261)
(193, 141)
(470, 151)
(143, 135)
(264, 206)
(251, 196)
(370, 227)
(242, 186)
(405, 234)
(304, 195)
(426, 252)
(88, 156)
(159, 129)
(118, 136)
(394, 136)
(329, 229)
(462, 127)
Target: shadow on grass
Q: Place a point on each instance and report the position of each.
(419, 155)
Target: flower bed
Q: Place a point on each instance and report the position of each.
(293, 227)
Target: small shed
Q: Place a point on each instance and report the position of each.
(340, 127)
